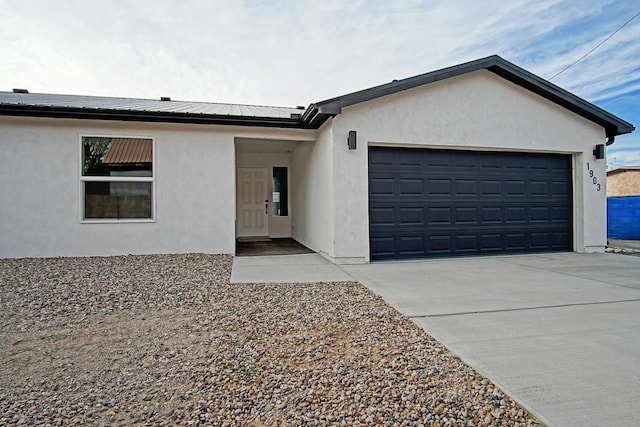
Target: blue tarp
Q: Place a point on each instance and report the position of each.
(623, 218)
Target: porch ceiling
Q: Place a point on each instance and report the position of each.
(259, 145)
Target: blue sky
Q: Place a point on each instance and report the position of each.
(295, 52)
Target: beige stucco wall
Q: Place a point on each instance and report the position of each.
(475, 111)
(623, 183)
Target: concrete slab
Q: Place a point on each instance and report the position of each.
(559, 333)
(500, 283)
(303, 268)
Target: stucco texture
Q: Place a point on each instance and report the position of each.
(623, 182)
(476, 111)
(40, 212)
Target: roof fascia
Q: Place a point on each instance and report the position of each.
(612, 124)
(318, 112)
(145, 116)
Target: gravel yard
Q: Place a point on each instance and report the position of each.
(166, 340)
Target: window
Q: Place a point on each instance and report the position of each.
(280, 191)
(117, 178)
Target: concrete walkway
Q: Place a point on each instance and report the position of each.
(301, 268)
(559, 333)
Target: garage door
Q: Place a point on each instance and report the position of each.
(433, 203)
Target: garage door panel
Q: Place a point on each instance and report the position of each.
(439, 244)
(466, 187)
(516, 241)
(516, 215)
(406, 158)
(466, 215)
(491, 187)
(410, 186)
(379, 216)
(425, 203)
(561, 214)
(491, 215)
(411, 216)
(411, 245)
(487, 162)
(381, 186)
(439, 216)
(540, 240)
(491, 242)
(538, 162)
(465, 243)
(516, 188)
(513, 161)
(561, 239)
(383, 246)
(539, 213)
(438, 159)
(560, 188)
(439, 187)
(464, 160)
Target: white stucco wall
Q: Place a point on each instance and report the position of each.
(40, 191)
(196, 168)
(475, 111)
(312, 193)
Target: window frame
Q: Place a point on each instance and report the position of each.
(83, 179)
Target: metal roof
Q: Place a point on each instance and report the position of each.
(146, 110)
(317, 113)
(108, 108)
(128, 151)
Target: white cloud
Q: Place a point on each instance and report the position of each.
(286, 52)
(296, 52)
(625, 151)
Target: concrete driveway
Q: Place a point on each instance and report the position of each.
(560, 333)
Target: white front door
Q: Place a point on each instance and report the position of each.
(253, 202)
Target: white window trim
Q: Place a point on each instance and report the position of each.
(152, 179)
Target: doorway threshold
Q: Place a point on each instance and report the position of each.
(248, 239)
(264, 247)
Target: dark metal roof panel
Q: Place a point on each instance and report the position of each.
(142, 105)
(146, 110)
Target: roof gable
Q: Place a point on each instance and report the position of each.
(22, 103)
(319, 112)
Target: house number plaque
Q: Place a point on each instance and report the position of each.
(594, 179)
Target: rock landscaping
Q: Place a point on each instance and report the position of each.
(623, 250)
(166, 340)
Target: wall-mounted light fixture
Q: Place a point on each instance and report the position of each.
(598, 152)
(351, 140)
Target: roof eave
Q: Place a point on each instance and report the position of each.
(145, 116)
(501, 67)
(613, 125)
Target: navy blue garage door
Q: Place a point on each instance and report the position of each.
(429, 203)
